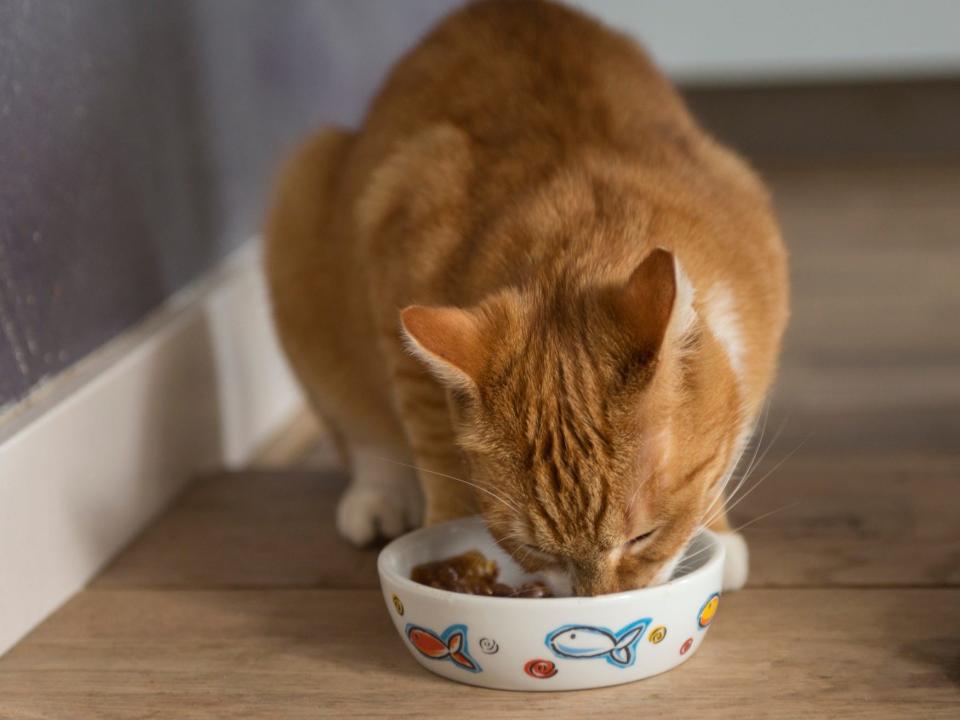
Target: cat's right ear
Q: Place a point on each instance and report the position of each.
(448, 340)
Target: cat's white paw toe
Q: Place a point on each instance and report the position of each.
(366, 513)
(737, 565)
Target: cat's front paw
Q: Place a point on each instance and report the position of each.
(365, 512)
(737, 565)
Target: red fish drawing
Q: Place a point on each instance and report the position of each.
(450, 645)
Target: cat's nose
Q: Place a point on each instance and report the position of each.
(590, 589)
(595, 580)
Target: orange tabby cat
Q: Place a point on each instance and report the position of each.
(531, 276)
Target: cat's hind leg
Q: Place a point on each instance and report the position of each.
(736, 568)
(326, 330)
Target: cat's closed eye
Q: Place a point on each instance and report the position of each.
(640, 538)
(537, 553)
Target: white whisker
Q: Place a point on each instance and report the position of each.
(769, 473)
(754, 460)
(766, 515)
(754, 463)
(726, 481)
(452, 477)
(773, 441)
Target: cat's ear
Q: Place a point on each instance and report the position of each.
(655, 300)
(448, 340)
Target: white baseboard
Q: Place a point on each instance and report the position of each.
(90, 458)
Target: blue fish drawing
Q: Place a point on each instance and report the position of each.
(587, 642)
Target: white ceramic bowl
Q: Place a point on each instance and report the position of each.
(544, 644)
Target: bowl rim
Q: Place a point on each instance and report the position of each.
(717, 554)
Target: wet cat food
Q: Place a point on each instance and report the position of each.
(473, 574)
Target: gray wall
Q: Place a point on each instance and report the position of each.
(137, 138)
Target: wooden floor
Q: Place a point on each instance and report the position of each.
(241, 602)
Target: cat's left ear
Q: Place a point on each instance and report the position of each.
(656, 300)
(448, 340)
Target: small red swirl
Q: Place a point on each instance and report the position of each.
(540, 669)
(686, 646)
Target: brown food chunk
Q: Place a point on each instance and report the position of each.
(473, 574)
(470, 570)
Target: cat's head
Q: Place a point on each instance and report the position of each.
(597, 419)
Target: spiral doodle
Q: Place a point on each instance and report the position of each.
(398, 605)
(488, 646)
(657, 634)
(688, 643)
(540, 669)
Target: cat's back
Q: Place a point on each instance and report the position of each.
(534, 90)
(533, 78)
